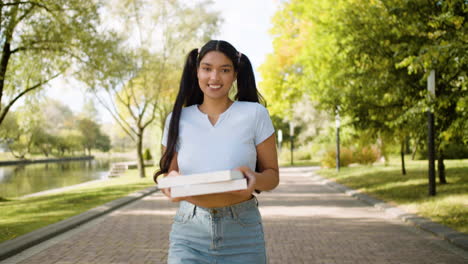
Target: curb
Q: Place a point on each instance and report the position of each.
(457, 238)
(16, 245)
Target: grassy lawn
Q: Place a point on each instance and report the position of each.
(20, 216)
(448, 207)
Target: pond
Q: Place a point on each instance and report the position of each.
(19, 180)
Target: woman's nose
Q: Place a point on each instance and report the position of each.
(214, 75)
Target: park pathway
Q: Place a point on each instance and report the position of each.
(305, 221)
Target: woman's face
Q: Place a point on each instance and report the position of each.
(215, 75)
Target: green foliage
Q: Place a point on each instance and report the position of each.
(92, 135)
(40, 40)
(304, 155)
(51, 128)
(369, 61)
(103, 142)
(456, 151)
(147, 155)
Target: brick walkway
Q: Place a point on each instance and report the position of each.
(305, 222)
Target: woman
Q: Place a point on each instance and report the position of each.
(207, 131)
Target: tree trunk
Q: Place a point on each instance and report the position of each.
(407, 145)
(383, 151)
(6, 54)
(441, 167)
(140, 162)
(402, 153)
(413, 155)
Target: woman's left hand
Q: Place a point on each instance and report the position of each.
(251, 180)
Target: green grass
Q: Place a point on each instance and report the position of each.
(21, 216)
(449, 207)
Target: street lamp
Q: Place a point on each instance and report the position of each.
(280, 139)
(337, 123)
(291, 136)
(430, 138)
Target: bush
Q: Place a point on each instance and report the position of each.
(303, 155)
(329, 159)
(453, 150)
(456, 151)
(366, 155)
(147, 155)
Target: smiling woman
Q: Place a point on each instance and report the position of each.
(208, 132)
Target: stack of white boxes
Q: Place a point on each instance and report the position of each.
(204, 183)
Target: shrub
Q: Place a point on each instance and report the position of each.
(147, 155)
(456, 151)
(329, 158)
(453, 150)
(303, 155)
(366, 155)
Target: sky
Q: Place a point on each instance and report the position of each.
(246, 26)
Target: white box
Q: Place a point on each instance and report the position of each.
(207, 188)
(215, 176)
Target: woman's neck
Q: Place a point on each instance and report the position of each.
(215, 107)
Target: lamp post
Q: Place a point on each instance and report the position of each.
(337, 123)
(431, 132)
(280, 139)
(291, 136)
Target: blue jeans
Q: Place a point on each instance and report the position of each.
(231, 234)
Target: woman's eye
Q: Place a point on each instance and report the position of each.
(226, 70)
(206, 69)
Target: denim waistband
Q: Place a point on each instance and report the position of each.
(220, 211)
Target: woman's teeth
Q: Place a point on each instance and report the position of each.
(214, 86)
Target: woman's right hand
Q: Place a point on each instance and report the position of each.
(167, 191)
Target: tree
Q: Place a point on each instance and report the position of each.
(90, 110)
(103, 142)
(92, 135)
(40, 40)
(43, 141)
(21, 131)
(135, 80)
(442, 29)
(371, 58)
(55, 114)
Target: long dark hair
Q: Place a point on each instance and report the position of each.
(190, 92)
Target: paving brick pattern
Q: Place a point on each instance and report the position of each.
(305, 222)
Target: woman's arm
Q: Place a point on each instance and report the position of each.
(268, 177)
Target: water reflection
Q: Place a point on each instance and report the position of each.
(20, 180)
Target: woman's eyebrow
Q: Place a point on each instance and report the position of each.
(225, 65)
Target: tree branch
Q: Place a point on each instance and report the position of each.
(115, 116)
(33, 3)
(10, 104)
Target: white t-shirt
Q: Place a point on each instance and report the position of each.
(230, 143)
